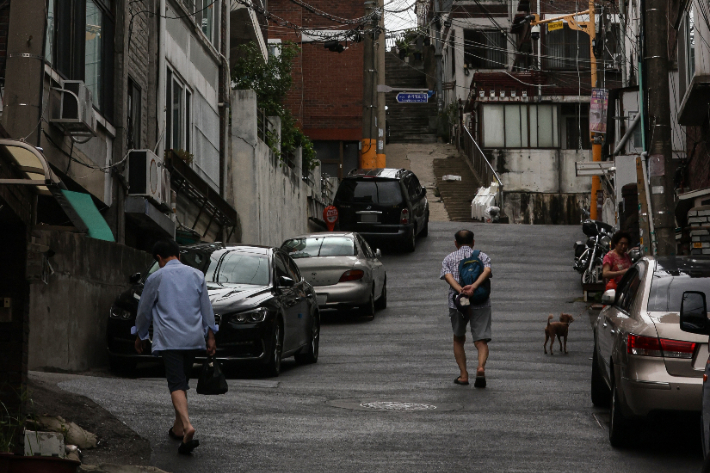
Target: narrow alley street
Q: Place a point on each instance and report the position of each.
(535, 414)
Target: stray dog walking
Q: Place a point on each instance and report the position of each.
(559, 329)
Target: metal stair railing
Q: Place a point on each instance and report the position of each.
(480, 164)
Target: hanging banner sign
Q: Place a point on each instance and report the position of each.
(555, 25)
(597, 110)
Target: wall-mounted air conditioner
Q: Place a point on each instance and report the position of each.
(76, 111)
(148, 176)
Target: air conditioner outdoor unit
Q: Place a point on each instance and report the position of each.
(148, 176)
(76, 111)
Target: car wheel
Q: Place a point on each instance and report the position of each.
(368, 309)
(600, 392)
(382, 301)
(619, 425)
(122, 366)
(311, 354)
(273, 363)
(425, 230)
(410, 242)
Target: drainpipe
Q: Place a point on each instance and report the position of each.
(652, 227)
(160, 145)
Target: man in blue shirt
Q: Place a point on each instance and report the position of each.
(176, 302)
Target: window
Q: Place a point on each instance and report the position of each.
(239, 268)
(520, 126)
(204, 16)
(79, 45)
(667, 289)
(686, 51)
(382, 192)
(576, 121)
(293, 269)
(562, 46)
(178, 119)
(314, 247)
(485, 49)
(133, 124)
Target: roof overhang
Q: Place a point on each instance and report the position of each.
(29, 163)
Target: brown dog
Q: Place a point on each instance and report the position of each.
(560, 329)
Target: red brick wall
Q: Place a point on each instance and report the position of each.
(326, 96)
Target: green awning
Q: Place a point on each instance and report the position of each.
(92, 218)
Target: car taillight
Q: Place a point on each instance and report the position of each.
(677, 349)
(404, 216)
(651, 346)
(352, 275)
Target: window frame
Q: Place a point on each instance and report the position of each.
(564, 62)
(133, 116)
(66, 47)
(185, 110)
(525, 125)
(480, 53)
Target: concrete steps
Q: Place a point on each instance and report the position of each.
(408, 123)
(457, 195)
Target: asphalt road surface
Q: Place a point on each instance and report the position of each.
(535, 414)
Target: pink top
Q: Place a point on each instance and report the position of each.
(617, 263)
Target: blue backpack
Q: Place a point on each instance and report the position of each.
(470, 270)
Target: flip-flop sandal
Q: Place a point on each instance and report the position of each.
(480, 382)
(186, 448)
(459, 382)
(173, 435)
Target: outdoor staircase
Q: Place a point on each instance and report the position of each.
(457, 195)
(408, 122)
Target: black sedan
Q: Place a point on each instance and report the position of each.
(265, 309)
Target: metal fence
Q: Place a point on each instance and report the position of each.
(481, 166)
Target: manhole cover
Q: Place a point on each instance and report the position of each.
(398, 406)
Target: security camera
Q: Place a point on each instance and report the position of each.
(535, 32)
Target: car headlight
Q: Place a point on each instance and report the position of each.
(120, 313)
(250, 316)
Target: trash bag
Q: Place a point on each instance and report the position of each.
(492, 214)
(211, 381)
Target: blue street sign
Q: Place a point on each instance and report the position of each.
(409, 97)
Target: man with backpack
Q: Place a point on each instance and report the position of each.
(468, 273)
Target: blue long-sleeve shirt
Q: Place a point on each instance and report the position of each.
(176, 302)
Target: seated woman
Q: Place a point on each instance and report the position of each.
(617, 261)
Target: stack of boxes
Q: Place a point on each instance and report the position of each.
(699, 221)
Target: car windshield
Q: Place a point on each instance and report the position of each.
(196, 259)
(371, 191)
(667, 289)
(312, 247)
(237, 268)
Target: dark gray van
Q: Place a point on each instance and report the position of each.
(383, 205)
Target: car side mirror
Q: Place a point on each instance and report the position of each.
(609, 297)
(135, 278)
(378, 253)
(694, 313)
(285, 281)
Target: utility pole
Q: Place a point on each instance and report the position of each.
(659, 112)
(381, 113)
(438, 54)
(368, 144)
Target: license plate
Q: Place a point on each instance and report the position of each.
(322, 299)
(697, 244)
(368, 218)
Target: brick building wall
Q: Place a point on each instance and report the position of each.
(326, 96)
(698, 170)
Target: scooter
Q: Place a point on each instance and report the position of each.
(588, 256)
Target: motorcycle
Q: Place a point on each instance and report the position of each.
(588, 256)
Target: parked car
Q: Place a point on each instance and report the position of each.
(342, 268)
(265, 309)
(383, 205)
(642, 360)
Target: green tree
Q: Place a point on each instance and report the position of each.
(271, 81)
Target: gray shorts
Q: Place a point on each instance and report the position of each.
(480, 320)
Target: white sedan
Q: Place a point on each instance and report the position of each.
(343, 270)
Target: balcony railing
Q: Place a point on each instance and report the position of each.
(480, 164)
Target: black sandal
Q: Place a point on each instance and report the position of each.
(186, 448)
(173, 435)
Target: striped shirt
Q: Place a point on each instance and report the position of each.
(450, 265)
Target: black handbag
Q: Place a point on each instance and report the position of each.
(211, 381)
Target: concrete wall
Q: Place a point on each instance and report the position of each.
(271, 199)
(548, 209)
(541, 170)
(68, 315)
